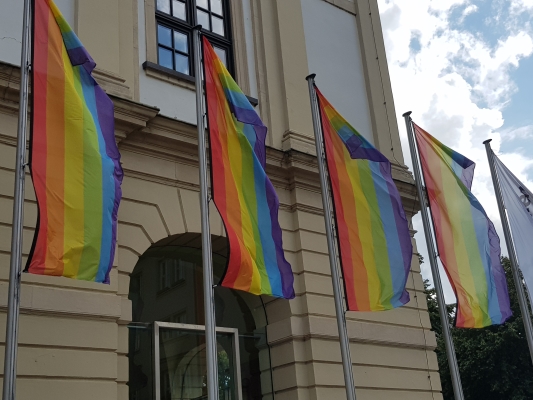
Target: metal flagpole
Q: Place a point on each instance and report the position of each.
(524, 309)
(209, 304)
(446, 333)
(15, 268)
(332, 250)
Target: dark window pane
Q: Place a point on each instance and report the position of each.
(216, 6)
(163, 5)
(163, 36)
(218, 25)
(182, 64)
(178, 10)
(165, 57)
(180, 42)
(202, 3)
(203, 19)
(221, 53)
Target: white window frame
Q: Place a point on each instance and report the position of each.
(195, 328)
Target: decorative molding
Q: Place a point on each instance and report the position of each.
(170, 76)
(9, 141)
(136, 55)
(303, 208)
(260, 64)
(140, 129)
(112, 83)
(9, 86)
(298, 141)
(359, 331)
(130, 116)
(239, 46)
(150, 31)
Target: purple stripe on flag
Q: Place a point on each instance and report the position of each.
(357, 151)
(79, 56)
(498, 273)
(105, 109)
(399, 216)
(249, 117)
(284, 267)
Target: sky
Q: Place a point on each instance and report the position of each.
(465, 70)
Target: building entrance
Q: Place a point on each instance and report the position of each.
(166, 336)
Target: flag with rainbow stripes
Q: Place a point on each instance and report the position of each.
(468, 244)
(74, 159)
(242, 192)
(373, 233)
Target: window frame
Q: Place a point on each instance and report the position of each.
(234, 332)
(186, 27)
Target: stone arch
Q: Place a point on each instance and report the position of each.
(235, 309)
(150, 212)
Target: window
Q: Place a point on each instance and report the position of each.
(175, 20)
(171, 272)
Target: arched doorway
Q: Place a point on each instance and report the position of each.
(166, 336)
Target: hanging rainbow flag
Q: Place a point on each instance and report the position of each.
(374, 241)
(468, 244)
(74, 158)
(242, 192)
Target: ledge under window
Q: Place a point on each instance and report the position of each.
(177, 78)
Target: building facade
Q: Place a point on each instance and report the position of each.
(141, 336)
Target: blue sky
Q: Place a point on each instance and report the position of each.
(465, 69)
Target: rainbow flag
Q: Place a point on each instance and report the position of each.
(468, 244)
(373, 233)
(74, 158)
(242, 192)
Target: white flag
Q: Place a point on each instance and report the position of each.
(518, 201)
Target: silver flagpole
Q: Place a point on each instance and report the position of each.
(524, 309)
(209, 304)
(15, 268)
(332, 249)
(448, 341)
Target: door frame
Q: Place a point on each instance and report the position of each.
(197, 328)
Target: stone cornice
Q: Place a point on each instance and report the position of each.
(140, 129)
(9, 87)
(131, 117)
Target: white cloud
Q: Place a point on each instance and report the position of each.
(523, 132)
(456, 83)
(519, 165)
(471, 9)
(519, 6)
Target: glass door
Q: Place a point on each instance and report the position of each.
(180, 362)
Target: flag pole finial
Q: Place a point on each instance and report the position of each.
(487, 141)
(310, 76)
(406, 114)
